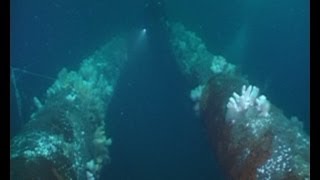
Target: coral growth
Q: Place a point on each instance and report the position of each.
(67, 133)
(237, 104)
(252, 139)
(220, 65)
(193, 56)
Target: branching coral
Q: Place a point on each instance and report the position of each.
(249, 99)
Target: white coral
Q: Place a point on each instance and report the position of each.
(263, 106)
(249, 98)
(241, 103)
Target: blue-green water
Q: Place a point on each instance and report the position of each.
(155, 134)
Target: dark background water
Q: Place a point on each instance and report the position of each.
(155, 134)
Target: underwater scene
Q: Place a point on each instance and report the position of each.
(159, 90)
